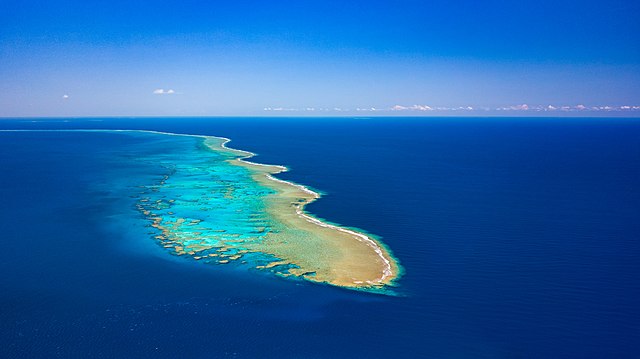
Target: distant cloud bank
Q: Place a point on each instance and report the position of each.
(426, 108)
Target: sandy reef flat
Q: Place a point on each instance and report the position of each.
(323, 252)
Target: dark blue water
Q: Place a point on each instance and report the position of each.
(520, 239)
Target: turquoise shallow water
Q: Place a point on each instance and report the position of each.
(208, 206)
(518, 236)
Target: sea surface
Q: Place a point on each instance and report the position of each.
(519, 238)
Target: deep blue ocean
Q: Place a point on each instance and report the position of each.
(520, 238)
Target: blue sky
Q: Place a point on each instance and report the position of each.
(202, 58)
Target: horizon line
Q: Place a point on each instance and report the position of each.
(505, 116)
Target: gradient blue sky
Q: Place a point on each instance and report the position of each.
(89, 58)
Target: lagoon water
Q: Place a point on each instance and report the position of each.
(519, 238)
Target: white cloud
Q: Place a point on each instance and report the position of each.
(65, 96)
(164, 92)
(411, 108)
(421, 108)
(279, 109)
